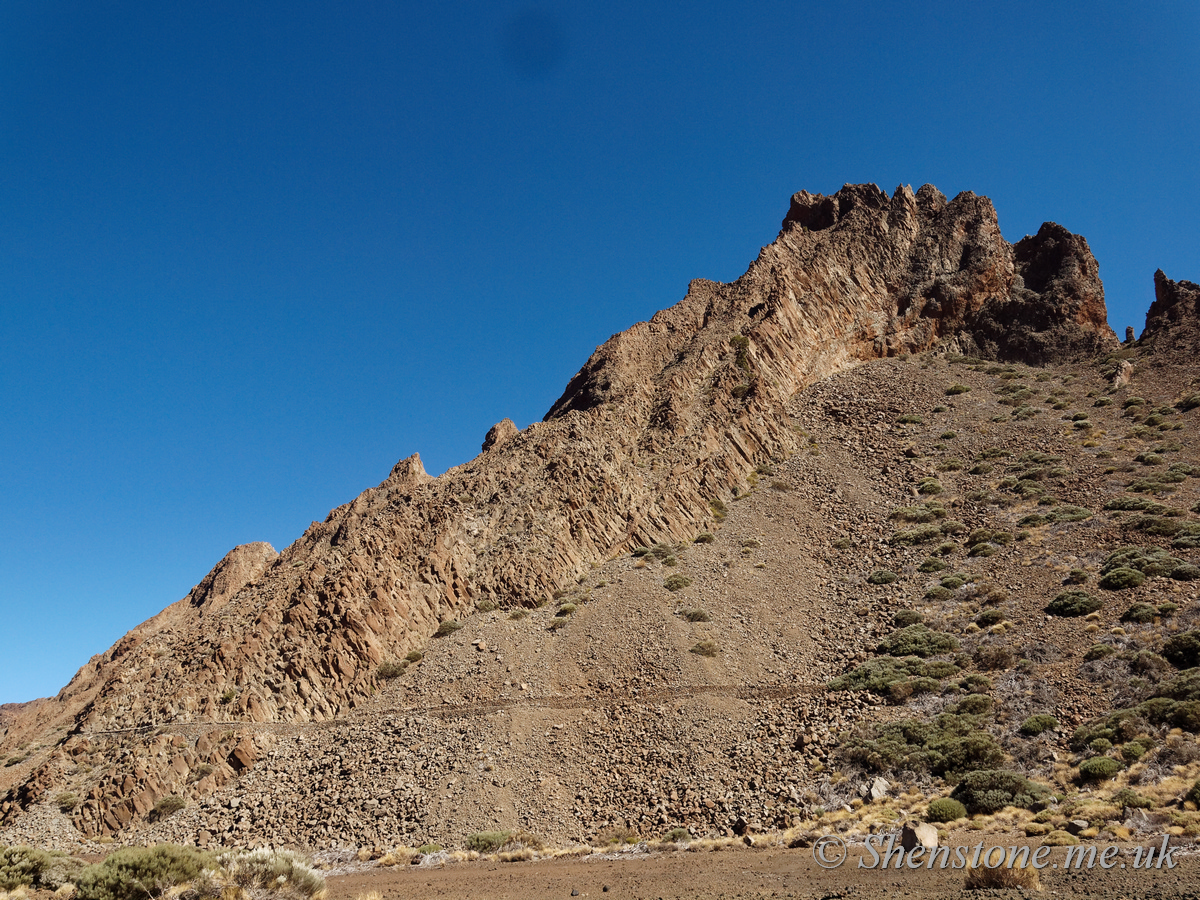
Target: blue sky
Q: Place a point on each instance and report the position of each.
(251, 254)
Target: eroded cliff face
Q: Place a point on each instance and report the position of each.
(1173, 320)
(660, 427)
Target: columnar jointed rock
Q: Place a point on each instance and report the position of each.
(663, 424)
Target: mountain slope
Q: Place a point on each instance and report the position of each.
(648, 443)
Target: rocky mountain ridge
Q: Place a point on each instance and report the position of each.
(652, 438)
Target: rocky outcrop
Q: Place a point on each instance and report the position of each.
(1173, 320)
(660, 427)
(241, 566)
(499, 433)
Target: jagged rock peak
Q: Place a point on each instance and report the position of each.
(409, 472)
(239, 567)
(499, 433)
(1173, 320)
(858, 275)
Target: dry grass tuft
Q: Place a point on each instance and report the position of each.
(1025, 877)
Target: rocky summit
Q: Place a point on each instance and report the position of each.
(821, 540)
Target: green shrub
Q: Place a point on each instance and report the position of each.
(427, 849)
(1183, 650)
(1121, 578)
(1098, 651)
(1073, 603)
(391, 669)
(695, 615)
(719, 509)
(920, 535)
(707, 647)
(1038, 723)
(1130, 798)
(67, 802)
(991, 790)
(882, 576)
(945, 809)
(567, 609)
(938, 593)
(1099, 768)
(639, 552)
(955, 389)
(989, 617)
(1139, 614)
(167, 806)
(917, 640)
(282, 871)
(932, 565)
(905, 617)
(909, 419)
(949, 745)
(881, 674)
(703, 537)
(929, 486)
(36, 868)
(139, 873)
(1194, 794)
(676, 582)
(446, 628)
(487, 841)
(677, 836)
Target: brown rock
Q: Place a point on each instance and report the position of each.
(499, 433)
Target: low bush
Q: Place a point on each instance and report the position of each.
(920, 535)
(881, 674)
(929, 486)
(282, 871)
(1073, 603)
(695, 615)
(676, 582)
(1121, 578)
(1037, 724)
(917, 640)
(1018, 875)
(1139, 614)
(1183, 650)
(707, 647)
(487, 841)
(949, 745)
(1099, 768)
(991, 790)
(447, 628)
(944, 809)
(905, 617)
(882, 576)
(36, 868)
(391, 669)
(414, 656)
(703, 537)
(677, 836)
(67, 802)
(932, 565)
(955, 389)
(139, 873)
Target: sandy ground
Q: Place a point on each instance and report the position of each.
(741, 874)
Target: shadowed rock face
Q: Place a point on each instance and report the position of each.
(1173, 320)
(665, 420)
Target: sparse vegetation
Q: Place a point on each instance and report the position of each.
(990, 790)
(1074, 603)
(945, 809)
(695, 615)
(447, 627)
(1037, 724)
(706, 647)
(676, 582)
(140, 873)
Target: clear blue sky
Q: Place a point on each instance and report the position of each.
(251, 254)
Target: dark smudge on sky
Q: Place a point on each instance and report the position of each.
(533, 42)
